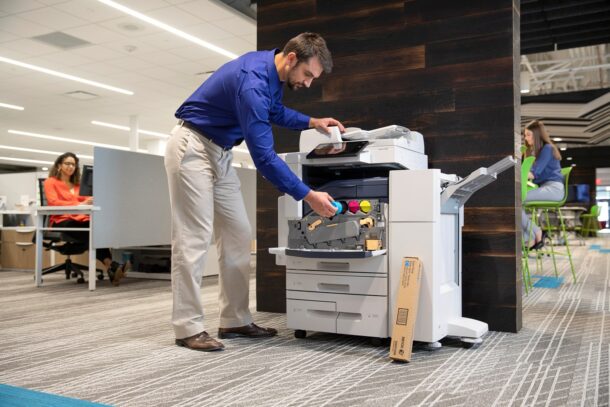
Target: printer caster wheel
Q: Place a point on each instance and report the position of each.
(80, 280)
(300, 334)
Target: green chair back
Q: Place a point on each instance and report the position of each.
(566, 171)
(595, 211)
(526, 166)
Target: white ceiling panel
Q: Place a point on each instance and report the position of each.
(29, 47)
(207, 10)
(63, 59)
(53, 18)
(131, 47)
(236, 45)
(19, 6)
(209, 32)
(129, 27)
(21, 27)
(162, 58)
(90, 10)
(95, 34)
(211, 59)
(5, 36)
(143, 6)
(164, 40)
(52, 2)
(97, 53)
(175, 17)
(130, 63)
(238, 26)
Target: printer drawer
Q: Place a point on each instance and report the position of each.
(319, 316)
(337, 283)
(376, 264)
(363, 315)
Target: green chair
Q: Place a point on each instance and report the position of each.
(547, 206)
(590, 225)
(526, 166)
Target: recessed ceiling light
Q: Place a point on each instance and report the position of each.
(130, 27)
(557, 139)
(569, 158)
(33, 150)
(65, 139)
(9, 106)
(563, 149)
(64, 75)
(61, 40)
(168, 28)
(25, 160)
(81, 95)
(127, 128)
(45, 168)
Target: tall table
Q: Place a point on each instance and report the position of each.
(41, 211)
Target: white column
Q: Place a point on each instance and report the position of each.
(134, 140)
(156, 146)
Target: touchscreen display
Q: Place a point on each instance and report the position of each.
(342, 149)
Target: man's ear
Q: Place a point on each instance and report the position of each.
(291, 59)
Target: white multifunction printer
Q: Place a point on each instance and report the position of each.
(342, 272)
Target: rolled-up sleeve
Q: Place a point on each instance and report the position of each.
(253, 108)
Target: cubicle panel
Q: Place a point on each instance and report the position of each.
(131, 190)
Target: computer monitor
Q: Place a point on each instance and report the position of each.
(86, 181)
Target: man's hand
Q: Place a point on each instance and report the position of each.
(322, 124)
(88, 201)
(530, 176)
(320, 202)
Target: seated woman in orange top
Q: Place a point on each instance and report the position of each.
(62, 189)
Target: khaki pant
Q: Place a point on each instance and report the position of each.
(205, 197)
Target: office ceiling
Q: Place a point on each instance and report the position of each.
(548, 25)
(578, 119)
(116, 49)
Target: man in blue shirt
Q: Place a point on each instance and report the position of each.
(238, 102)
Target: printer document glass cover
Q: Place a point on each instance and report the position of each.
(342, 149)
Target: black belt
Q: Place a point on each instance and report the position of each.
(192, 127)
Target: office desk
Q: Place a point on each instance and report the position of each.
(56, 210)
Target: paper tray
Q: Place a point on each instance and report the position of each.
(334, 254)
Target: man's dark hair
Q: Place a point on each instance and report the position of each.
(307, 45)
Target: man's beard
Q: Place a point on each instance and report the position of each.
(292, 85)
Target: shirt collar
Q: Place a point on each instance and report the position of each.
(274, 78)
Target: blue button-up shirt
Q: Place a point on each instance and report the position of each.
(546, 167)
(240, 101)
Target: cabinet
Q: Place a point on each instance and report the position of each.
(17, 249)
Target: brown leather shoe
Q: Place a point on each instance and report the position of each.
(202, 341)
(246, 331)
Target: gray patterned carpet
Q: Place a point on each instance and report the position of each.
(115, 346)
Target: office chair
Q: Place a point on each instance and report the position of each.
(547, 206)
(64, 244)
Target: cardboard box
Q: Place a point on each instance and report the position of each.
(405, 310)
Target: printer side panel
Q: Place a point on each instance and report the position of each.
(415, 231)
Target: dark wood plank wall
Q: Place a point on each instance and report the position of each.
(444, 68)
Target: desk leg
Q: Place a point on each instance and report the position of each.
(38, 263)
(92, 276)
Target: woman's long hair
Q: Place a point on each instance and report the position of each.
(541, 137)
(55, 171)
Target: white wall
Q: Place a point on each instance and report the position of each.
(14, 185)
